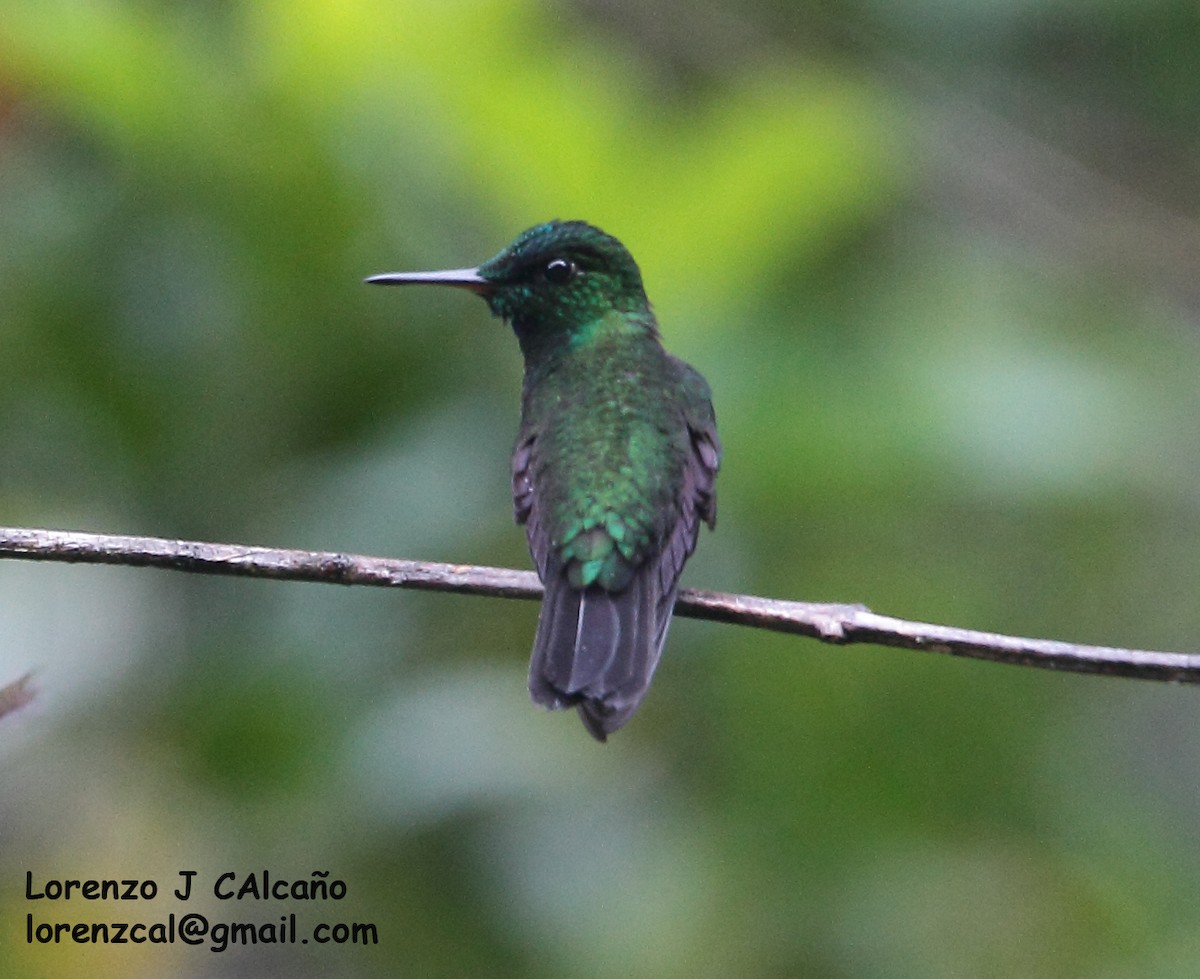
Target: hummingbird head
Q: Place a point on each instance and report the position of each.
(555, 281)
(563, 272)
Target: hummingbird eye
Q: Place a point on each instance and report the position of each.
(560, 271)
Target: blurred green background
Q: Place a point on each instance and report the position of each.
(939, 262)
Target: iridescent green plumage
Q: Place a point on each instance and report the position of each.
(613, 468)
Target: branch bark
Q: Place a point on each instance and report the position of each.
(16, 695)
(840, 624)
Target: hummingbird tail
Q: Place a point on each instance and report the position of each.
(597, 650)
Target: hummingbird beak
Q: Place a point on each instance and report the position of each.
(460, 278)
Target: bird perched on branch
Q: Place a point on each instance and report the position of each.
(614, 466)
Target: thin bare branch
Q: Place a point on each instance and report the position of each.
(841, 624)
(15, 695)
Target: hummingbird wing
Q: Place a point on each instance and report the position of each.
(698, 496)
(524, 509)
(597, 648)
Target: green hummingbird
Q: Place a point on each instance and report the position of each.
(614, 465)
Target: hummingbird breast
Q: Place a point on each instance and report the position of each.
(608, 445)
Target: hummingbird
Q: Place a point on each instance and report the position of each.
(614, 465)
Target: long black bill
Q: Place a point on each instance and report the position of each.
(461, 278)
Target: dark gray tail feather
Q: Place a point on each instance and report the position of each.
(596, 650)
